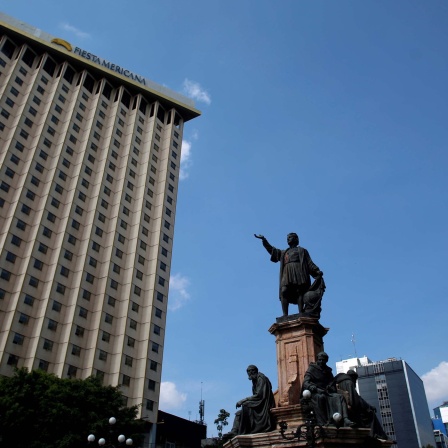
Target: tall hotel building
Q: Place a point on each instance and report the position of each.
(89, 170)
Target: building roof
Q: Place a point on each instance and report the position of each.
(59, 48)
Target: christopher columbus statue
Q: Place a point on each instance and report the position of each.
(296, 267)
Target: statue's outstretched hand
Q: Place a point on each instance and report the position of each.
(261, 237)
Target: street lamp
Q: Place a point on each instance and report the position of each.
(108, 444)
(310, 430)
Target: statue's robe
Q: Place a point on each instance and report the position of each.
(325, 401)
(359, 411)
(255, 415)
(296, 267)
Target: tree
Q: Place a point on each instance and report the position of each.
(221, 421)
(40, 410)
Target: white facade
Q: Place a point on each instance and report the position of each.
(351, 364)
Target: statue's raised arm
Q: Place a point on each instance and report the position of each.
(296, 267)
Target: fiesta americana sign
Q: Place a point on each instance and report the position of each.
(104, 63)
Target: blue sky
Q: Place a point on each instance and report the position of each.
(327, 118)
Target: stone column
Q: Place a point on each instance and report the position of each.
(298, 340)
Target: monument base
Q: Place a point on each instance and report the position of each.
(335, 438)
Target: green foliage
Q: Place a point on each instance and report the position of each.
(221, 421)
(40, 410)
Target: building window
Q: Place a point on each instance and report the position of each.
(137, 290)
(155, 347)
(38, 264)
(126, 380)
(57, 306)
(34, 282)
(128, 361)
(161, 281)
(28, 300)
(153, 365)
(83, 312)
(108, 318)
(131, 342)
(105, 336)
(16, 240)
(18, 339)
(151, 385)
(90, 278)
(158, 313)
(86, 295)
(76, 350)
(79, 331)
(52, 325)
(135, 307)
(102, 356)
(64, 271)
(60, 288)
(43, 365)
(72, 371)
(24, 319)
(159, 296)
(48, 345)
(13, 360)
(156, 330)
(133, 324)
(42, 248)
(11, 257)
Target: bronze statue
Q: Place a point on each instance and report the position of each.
(325, 400)
(296, 267)
(361, 412)
(255, 414)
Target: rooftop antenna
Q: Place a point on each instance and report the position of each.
(201, 409)
(354, 347)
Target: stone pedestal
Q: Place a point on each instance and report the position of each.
(298, 340)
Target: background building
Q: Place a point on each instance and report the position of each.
(177, 432)
(345, 365)
(441, 413)
(89, 169)
(399, 396)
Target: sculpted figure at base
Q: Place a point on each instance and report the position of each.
(255, 414)
(325, 400)
(359, 411)
(296, 267)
